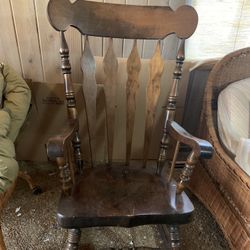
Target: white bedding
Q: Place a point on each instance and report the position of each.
(234, 122)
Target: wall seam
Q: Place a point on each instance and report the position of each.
(16, 37)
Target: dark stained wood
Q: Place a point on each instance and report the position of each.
(122, 21)
(32, 185)
(65, 174)
(175, 243)
(73, 240)
(66, 70)
(57, 144)
(78, 161)
(201, 148)
(111, 197)
(4, 198)
(171, 106)
(123, 195)
(58, 150)
(71, 106)
(187, 172)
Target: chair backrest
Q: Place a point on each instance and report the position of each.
(129, 22)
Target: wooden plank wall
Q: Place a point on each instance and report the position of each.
(30, 45)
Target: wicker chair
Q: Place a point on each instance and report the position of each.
(221, 184)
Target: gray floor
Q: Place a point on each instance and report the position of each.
(29, 223)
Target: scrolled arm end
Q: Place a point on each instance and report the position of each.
(55, 145)
(55, 148)
(57, 151)
(200, 148)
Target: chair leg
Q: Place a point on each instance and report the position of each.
(74, 236)
(4, 197)
(2, 244)
(174, 237)
(33, 186)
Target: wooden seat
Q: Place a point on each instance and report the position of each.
(107, 196)
(111, 195)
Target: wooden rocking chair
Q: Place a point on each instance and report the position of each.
(124, 195)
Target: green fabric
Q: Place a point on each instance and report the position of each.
(15, 98)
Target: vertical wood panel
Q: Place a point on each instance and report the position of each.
(25, 25)
(8, 45)
(175, 4)
(96, 45)
(118, 43)
(49, 43)
(217, 29)
(74, 41)
(242, 39)
(40, 55)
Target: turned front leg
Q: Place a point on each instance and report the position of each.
(73, 241)
(187, 172)
(65, 174)
(175, 243)
(76, 142)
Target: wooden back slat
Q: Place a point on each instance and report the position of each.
(153, 93)
(110, 66)
(122, 21)
(133, 70)
(90, 92)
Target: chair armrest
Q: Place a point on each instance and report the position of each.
(56, 144)
(57, 151)
(201, 148)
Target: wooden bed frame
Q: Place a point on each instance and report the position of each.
(220, 183)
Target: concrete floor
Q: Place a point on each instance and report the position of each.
(29, 223)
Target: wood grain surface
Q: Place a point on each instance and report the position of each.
(122, 21)
(110, 66)
(153, 93)
(90, 93)
(133, 70)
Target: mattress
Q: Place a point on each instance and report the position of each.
(234, 122)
